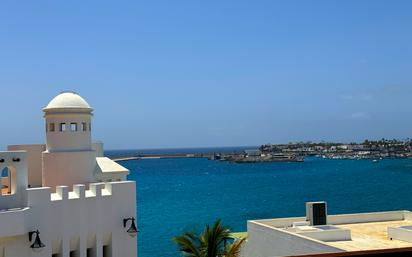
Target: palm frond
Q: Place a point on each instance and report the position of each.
(233, 250)
(188, 244)
(214, 238)
(210, 243)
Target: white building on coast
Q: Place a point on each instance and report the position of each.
(63, 198)
(322, 235)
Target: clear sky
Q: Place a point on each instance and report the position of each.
(192, 73)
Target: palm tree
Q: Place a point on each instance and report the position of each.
(211, 243)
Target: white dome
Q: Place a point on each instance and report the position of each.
(68, 100)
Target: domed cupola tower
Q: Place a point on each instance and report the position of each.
(68, 123)
(69, 157)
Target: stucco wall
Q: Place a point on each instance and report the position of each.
(265, 241)
(16, 161)
(68, 140)
(73, 221)
(68, 168)
(343, 218)
(366, 217)
(98, 147)
(34, 162)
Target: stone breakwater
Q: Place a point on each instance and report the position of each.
(233, 157)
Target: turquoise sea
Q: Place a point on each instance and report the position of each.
(175, 195)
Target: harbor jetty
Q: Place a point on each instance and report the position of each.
(163, 156)
(296, 152)
(248, 156)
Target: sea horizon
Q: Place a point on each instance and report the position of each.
(116, 153)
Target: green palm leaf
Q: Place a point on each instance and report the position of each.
(188, 244)
(233, 250)
(211, 243)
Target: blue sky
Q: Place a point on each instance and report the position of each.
(178, 73)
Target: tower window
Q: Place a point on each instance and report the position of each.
(51, 127)
(84, 126)
(62, 127)
(90, 127)
(73, 126)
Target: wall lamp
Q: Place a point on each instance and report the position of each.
(37, 245)
(132, 231)
(16, 159)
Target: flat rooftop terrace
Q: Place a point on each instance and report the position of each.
(349, 232)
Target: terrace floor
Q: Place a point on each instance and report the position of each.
(371, 236)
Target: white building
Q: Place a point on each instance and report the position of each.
(361, 234)
(72, 201)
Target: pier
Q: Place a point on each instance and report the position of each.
(165, 156)
(229, 157)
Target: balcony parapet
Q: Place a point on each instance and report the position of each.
(12, 221)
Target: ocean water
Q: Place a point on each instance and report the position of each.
(176, 195)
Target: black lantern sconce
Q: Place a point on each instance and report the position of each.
(37, 245)
(132, 231)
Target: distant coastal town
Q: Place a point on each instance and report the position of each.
(296, 152)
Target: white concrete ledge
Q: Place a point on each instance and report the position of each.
(400, 233)
(13, 222)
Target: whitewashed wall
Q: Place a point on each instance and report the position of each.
(16, 161)
(34, 162)
(72, 221)
(265, 241)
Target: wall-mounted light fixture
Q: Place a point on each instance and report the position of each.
(132, 231)
(37, 245)
(16, 159)
(1, 160)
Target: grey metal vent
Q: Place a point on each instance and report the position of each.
(316, 213)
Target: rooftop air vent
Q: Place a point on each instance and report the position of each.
(316, 213)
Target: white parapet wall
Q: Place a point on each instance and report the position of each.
(329, 235)
(266, 241)
(343, 218)
(16, 162)
(72, 223)
(368, 217)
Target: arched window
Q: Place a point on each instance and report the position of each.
(5, 172)
(7, 181)
(84, 126)
(51, 127)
